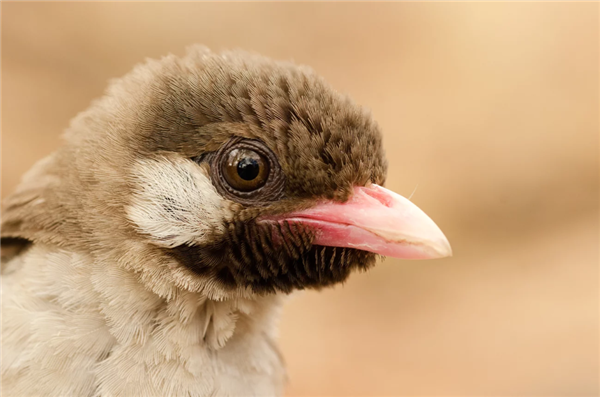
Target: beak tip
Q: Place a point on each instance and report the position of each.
(443, 248)
(446, 252)
(435, 245)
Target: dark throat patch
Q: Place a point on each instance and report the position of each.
(271, 257)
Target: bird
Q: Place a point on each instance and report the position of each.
(151, 253)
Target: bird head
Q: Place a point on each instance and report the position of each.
(224, 173)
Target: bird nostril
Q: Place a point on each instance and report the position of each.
(377, 193)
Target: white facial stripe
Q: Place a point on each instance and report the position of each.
(174, 201)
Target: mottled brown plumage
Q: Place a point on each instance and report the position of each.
(191, 107)
(151, 250)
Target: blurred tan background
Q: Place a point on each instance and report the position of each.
(491, 109)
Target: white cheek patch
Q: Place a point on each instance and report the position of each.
(174, 201)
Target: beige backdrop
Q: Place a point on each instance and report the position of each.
(491, 109)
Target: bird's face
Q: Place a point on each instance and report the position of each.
(286, 196)
(235, 172)
(248, 214)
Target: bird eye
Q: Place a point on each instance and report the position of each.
(245, 170)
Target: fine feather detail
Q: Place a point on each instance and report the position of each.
(173, 201)
(140, 279)
(73, 326)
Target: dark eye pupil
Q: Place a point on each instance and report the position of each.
(245, 170)
(248, 168)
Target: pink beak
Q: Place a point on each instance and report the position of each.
(378, 220)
